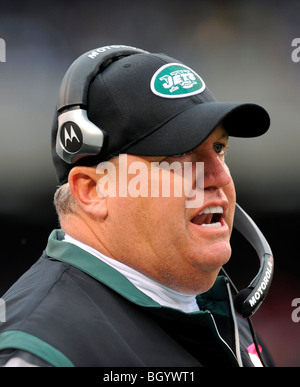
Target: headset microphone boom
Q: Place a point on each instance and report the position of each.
(248, 300)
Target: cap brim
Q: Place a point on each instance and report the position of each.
(189, 129)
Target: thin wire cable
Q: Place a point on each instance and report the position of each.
(255, 340)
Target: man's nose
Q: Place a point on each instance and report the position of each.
(216, 174)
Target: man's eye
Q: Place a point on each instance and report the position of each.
(220, 149)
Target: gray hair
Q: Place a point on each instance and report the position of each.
(64, 201)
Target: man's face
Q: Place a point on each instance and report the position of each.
(182, 248)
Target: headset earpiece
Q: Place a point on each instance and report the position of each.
(77, 136)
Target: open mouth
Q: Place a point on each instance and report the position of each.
(209, 217)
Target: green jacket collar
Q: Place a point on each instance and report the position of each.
(214, 301)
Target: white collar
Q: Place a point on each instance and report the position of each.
(158, 292)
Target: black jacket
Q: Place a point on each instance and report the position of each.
(71, 309)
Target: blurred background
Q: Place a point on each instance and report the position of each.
(242, 49)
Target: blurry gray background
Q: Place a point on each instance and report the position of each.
(242, 49)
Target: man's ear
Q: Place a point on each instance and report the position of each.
(83, 184)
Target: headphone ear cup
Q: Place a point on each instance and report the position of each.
(240, 298)
(75, 135)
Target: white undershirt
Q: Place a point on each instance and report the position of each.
(158, 292)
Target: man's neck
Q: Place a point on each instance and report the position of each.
(158, 292)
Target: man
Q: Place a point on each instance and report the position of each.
(132, 278)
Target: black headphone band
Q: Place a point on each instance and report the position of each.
(75, 84)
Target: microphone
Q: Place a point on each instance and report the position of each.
(248, 300)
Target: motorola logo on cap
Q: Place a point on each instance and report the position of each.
(71, 137)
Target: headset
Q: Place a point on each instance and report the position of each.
(72, 103)
(73, 121)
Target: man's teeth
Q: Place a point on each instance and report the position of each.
(212, 210)
(209, 217)
(217, 224)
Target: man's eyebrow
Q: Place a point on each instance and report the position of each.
(223, 136)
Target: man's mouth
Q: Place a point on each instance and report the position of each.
(209, 217)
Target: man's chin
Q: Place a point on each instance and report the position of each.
(213, 257)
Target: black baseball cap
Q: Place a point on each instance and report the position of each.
(154, 105)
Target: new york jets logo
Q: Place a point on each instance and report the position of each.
(175, 80)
